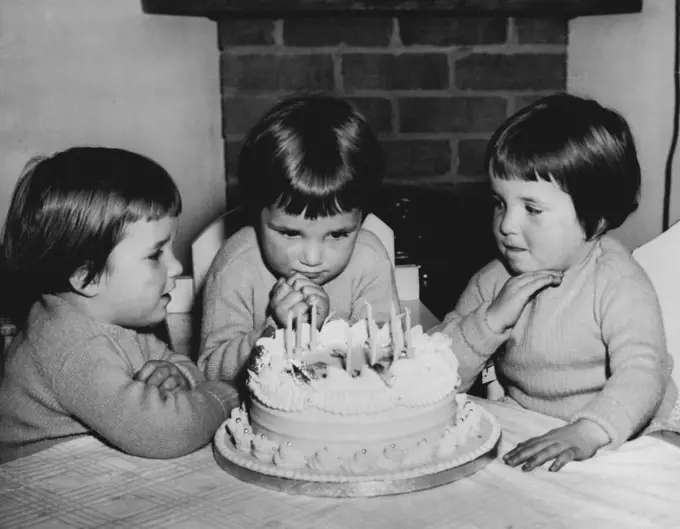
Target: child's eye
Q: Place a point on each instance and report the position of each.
(497, 203)
(289, 233)
(339, 235)
(533, 211)
(156, 255)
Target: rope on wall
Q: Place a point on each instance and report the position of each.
(676, 117)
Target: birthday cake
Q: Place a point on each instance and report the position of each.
(354, 402)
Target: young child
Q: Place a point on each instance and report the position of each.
(88, 239)
(308, 172)
(571, 320)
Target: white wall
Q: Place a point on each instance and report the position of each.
(626, 62)
(101, 72)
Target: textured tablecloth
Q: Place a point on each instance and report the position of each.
(84, 483)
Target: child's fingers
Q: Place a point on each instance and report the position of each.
(170, 383)
(145, 372)
(280, 290)
(544, 455)
(313, 290)
(296, 277)
(302, 282)
(159, 376)
(565, 457)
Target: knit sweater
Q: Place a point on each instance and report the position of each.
(238, 286)
(591, 348)
(67, 374)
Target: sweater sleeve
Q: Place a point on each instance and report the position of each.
(632, 329)
(97, 386)
(158, 350)
(376, 286)
(228, 331)
(474, 342)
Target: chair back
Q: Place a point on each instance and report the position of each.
(659, 258)
(209, 241)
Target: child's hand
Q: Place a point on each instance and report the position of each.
(312, 293)
(162, 374)
(284, 299)
(574, 442)
(505, 310)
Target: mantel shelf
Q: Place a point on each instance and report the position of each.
(277, 8)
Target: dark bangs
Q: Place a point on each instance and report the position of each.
(317, 172)
(532, 154)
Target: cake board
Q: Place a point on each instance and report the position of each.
(473, 456)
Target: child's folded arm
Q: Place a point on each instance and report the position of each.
(159, 350)
(97, 387)
(632, 329)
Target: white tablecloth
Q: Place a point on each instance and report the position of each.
(84, 483)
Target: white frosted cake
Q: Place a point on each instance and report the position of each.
(354, 404)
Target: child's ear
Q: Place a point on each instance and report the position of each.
(80, 285)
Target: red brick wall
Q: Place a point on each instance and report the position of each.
(434, 88)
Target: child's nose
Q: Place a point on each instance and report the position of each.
(174, 266)
(508, 223)
(312, 254)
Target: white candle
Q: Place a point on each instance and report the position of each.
(400, 335)
(289, 334)
(371, 330)
(298, 338)
(313, 330)
(394, 332)
(408, 328)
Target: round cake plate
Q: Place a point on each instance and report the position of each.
(250, 470)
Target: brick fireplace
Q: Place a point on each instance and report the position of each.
(434, 78)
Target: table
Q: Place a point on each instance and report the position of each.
(84, 483)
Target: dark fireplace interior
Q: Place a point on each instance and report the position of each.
(434, 78)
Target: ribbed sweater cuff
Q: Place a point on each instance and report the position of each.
(609, 416)
(479, 336)
(225, 394)
(189, 374)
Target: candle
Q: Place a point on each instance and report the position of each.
(408, 327)
(394, 332)
(313, 330)
(372, 330)
(348, 358)
(400, 335)
(298, 338)
(289, 334)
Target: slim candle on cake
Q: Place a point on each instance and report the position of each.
(313, 330)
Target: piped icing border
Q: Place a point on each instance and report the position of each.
(482, 440)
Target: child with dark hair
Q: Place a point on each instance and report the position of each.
(308, 172)
(88, 241)
(571, 321)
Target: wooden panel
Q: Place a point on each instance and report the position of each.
(268, 8)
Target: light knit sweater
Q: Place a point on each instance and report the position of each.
(592, 348)
(237, 289)
(67, 375)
